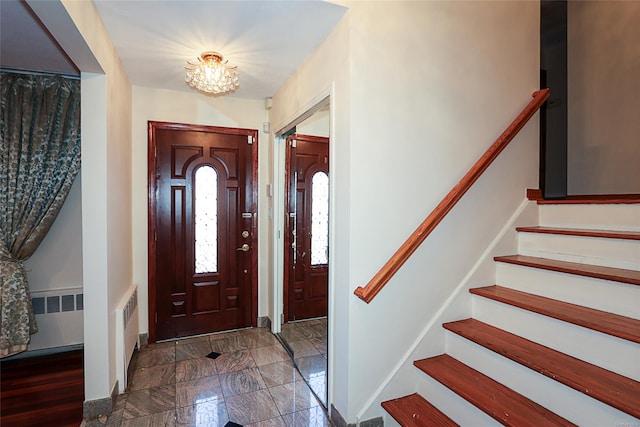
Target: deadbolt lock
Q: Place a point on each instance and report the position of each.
(245, 234)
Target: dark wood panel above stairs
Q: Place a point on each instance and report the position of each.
(499, 402)
(610, 388)
(413, 410)
(598, 272)
(612, 324)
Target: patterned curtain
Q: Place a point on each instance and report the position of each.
(39, 160)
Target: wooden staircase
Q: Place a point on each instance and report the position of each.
(556, 341)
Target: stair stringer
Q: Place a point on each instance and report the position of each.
(431, 341)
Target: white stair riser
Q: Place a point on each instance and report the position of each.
(613, 297)
(608, 352)
(451, 404)
(621, 217)
(619, 253)
(564, 401)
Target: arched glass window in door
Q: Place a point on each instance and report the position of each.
(320, 218)
(205, 202)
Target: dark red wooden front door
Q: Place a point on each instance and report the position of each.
(203, 221)
(307, 261)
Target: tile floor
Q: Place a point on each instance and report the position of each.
(252, 382)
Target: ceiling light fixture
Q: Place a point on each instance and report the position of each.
(211, 74)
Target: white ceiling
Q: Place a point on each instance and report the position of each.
(266, 39)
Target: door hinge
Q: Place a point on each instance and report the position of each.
(250, 139)
(281, 317)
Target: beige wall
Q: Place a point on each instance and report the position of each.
(316, 125)
(418, 91)
(433, 84)
(430, 86)
(603, 103)
(106, 196)
(194, 108)
(325, 72)
(105, 174)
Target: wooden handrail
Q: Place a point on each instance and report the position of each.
(392, 266)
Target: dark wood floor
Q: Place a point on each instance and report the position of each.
(42, 391)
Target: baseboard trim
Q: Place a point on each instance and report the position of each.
(92, 409)
(44, 352)
(534, 194)
(337, 419)
(373, 422)
(264, 322)
(143, 339)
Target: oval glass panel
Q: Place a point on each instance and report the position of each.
(320, 219)
(205, 202)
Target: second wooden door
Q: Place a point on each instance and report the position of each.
(308, 231)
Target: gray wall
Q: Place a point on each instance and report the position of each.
(604, 107)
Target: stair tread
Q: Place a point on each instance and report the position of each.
(498, 401)
(610, 388)
(612, 324)
(414, 411)
(599, 272)
(611, 234)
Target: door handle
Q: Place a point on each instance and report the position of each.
(243, 248)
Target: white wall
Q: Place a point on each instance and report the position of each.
(94, 237)
(604, 109)
(316, 125)
(433, 84)
(326, 72)
(430, 86)
(193, 108)
(106, 196)
(465, 70)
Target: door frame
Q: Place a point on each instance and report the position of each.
(287, 236)
(152, 194)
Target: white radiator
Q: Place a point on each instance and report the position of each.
(126, 334)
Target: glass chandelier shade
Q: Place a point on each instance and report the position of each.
(211, 74)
